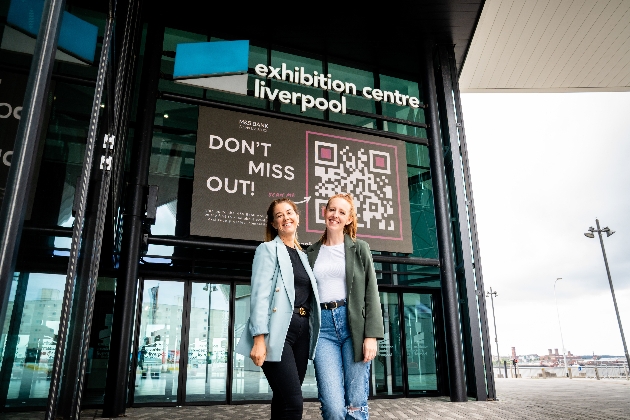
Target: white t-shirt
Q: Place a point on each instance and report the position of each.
(330, 273)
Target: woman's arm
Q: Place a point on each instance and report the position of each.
(263, 268)
(373, 313)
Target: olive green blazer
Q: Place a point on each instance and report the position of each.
(365, 317)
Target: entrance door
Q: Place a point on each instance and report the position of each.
(182, 343)
(406, 360)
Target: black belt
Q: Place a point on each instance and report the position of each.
(333, 305)
(301, 311)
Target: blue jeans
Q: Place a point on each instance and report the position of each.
(342, 383)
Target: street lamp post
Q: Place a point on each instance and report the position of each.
(492, 295)
(564, 354)
(609, 232)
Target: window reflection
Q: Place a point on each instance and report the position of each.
(29, 343)
(206, 374)
(420, 342)
(160, 339)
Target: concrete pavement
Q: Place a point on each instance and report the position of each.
(518, 399)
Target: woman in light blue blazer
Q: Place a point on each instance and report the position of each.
(284, 313)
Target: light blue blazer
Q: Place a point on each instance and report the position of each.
(272, 299)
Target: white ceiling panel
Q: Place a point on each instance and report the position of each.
(550, 46)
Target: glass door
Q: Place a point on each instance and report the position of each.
(419, 342)
(406, 360)
(387, 369)
(159, 342)
(207, 365)
(182, 343)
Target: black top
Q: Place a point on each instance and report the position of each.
(302, 282)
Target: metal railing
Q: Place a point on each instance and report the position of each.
(575, 372)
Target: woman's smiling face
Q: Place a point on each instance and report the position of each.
(285, 219)
(337, 215)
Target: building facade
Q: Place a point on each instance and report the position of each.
(162, 133)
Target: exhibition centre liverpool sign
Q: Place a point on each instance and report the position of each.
(243, 162)
(223, 65)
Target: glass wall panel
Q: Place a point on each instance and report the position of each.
(62, 154)
(257, 55)
(404, 87)
(206, 376)
(29, 342)
(420, 342)
(310, 65)
(160, 341)
(387, 374)
(361, 79)
(171, 168)
(172, 37)
(423, 228)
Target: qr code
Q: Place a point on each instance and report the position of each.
(364, 169)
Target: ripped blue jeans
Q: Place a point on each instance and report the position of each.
(342, 383)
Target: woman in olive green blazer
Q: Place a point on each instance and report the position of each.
(351, 316)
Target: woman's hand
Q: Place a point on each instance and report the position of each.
(259, 351)
(369, 349)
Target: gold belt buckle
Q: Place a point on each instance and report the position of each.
(302, 311)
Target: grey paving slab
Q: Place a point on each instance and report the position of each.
(577, 399)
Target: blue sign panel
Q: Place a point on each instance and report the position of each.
(76, 36)
(218, 58)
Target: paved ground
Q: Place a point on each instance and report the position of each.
(518, 399)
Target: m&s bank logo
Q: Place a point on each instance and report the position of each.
(219, 65)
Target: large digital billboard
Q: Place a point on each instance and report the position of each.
(243, 162)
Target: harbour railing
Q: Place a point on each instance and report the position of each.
(573, 372)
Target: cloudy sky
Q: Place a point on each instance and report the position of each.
(544, 166)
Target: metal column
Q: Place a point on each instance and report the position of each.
(20, 172)
(133, 218)
(472, 220)
(474, 295)
(443, 226)
(78, 228)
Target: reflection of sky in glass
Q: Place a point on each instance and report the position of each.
(64, 242)
(164, 225)
(39, 281)
(169, 293)
(218, 297)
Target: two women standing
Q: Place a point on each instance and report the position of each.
(341, 332)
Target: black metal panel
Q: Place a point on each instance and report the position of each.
(184, 344)
(470, 318)
(444, 234)
(485, 334)
(118, 366)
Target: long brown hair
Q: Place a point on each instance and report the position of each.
(270, 231)
(351, 228)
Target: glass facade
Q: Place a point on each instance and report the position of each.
(193, 299)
